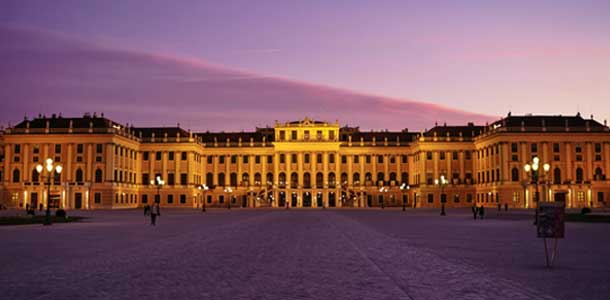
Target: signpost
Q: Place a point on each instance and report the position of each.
(551, 225)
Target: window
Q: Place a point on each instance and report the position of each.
(379, 159)
(516, 196)
(403, 159)
(183, 179)
(17, 149)
(515, 157)
(534, 147)
(598, 147)
(514, 147)
(600, 196)
(293, 135)
(16, 176)
(430, 198)
(331, 158)
(233, 179)
(306, 135)
(578, 148)
(456, 198)
(79, 175)
(293, 158)
(221, 159)
(579, 175)
(368, 159)
(79, 148)
(97, 198)
(56, 177)
(210, 159)
(282, 135)
(170, 199)
(331, 135)
(182, 199)
(16, 158)
(556, 158)
(157, 155)
(356, 159)
(233, 159)
(454, 155)
(183, 155)
(556, 147)
(170, 156)
(599, 174)
(36, 149)
(343, 159)
(429, 155)
(171, 179)
(269, 159)
(468, 155)
(580, 196)
(57, 148)
(144, 155)
(442, 154)
(245, 159)
(257, 159)
(99, 148)
(557, 176)
(469, 198)
(144, 199)
(145, 178)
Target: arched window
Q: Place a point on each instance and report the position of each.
(56, 177)
(282, 179)
(557, 176)
(294, 180)
(598, 173)
(343, 178)
(331, 180)
(245, 178)
(404, 177)
(269, 178)
(79, 175)
(258, 178)
(356, 178)
(368, 176)
(392, 176)
(514, 174)
(221, 179)
(579, 175)
(35, 176)
(319, 180)
(306, 180)
(233, 179)
(380, 177)
(99, 177)
(209, 178)
(16, 176)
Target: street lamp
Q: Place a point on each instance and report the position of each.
(228, 190)
(383, 190)
(49, 168)
(205, 188)
(404, 188)
(532, 171)
(442, 182)
(159, 183)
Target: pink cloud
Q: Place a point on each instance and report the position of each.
(46, 72)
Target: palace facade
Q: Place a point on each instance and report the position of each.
(305, 164)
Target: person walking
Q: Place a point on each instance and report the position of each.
(474, 211)
(482, 212)
(154, 213)
(499, 208)
(146, 210)
(505, 206)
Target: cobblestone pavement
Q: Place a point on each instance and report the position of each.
(300, 254)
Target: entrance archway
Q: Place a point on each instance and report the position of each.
(331, 199)
(320, 200)
(306, 199)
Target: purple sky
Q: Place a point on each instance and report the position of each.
(216, 58)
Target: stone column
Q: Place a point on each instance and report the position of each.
(89, 160)
(569, 162)
(109, 162)
(350, 170)
(215, 159)
(228, 173)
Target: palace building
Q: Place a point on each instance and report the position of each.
(305, 164)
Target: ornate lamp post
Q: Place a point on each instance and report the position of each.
(228, 190)
(442, 182)
(383, 190)
(205, 188)
(49, 168)
(532, 171)
(159, 183)
(404, 188)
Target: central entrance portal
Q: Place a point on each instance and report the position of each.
(331, 199)
(307, 199)
(320, 200)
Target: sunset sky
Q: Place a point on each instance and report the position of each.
(378, 64)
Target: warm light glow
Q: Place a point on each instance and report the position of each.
(435, 181)
(536, 160)
(39, 168)
(527, 167)
(49, 168)
(152, 182)
(49, 161)
(535, 167)
(546, 167)
(58, 169)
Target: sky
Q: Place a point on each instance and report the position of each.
(378, 64)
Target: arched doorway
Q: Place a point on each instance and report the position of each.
(320, 199)
(331, 199)
(306, 199)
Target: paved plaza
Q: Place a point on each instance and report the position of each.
(301, 254)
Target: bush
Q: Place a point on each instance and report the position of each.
(60, 213)
(585, 210)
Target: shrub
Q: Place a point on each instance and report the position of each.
(60, 213)
(585, 210)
